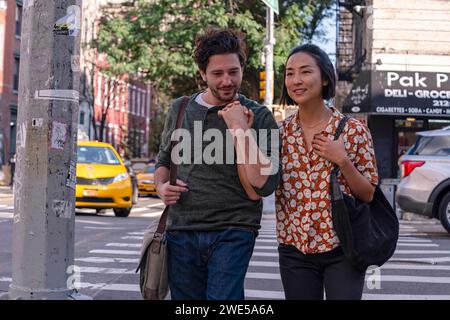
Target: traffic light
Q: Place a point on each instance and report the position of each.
(262, 85)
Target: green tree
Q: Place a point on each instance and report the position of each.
(154, 40)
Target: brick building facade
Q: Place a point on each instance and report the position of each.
(127, 105)
(10, 30)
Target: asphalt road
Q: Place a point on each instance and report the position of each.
(107, 249)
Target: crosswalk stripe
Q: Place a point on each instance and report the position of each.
(265, 254)
(404, 297)
(263, 236)
(413, 240)
(419, 234)
(266, 247)
(407, 227)
(415, 279)
(152, 214)
(124, 252)
(110, 287)
(421, 260)
(417, 244)
(383, 278)
(105, 270)
(421, 252)
(124, 245)
(5, 279)
(393, 266)
(6, 215)
(136, 233)
(103, 228)
(264, 294)
(132, 238)
(263, 275)
(264, 264)
(161, 205)
(138, 210)
(106, 260)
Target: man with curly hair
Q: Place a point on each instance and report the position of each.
(215, 208)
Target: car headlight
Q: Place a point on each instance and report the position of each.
(147, 181)
(121, 177)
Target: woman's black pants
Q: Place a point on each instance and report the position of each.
(307, 277)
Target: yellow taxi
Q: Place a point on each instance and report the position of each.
(146, 180)
(102, 179)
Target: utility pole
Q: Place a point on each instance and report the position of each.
(268, 51)
(44, 192)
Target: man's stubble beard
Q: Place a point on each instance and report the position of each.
(218, 96)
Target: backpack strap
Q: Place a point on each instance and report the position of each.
(339, 131)
(173, 170)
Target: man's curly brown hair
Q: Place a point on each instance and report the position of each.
(219, 41)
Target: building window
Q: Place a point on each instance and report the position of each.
(18, 19)
(138, 111)
(82, 118)
(16, 73)
(12, 129)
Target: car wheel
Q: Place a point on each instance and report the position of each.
(444, 212)
(122, 212)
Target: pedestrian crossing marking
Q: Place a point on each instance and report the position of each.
(104, 228)
(152, 214)
(417, 244)
(422, 252)
(404, 297)
(117, 262)
(124, 245)
(123, 252)
(107, 260)
(132, 238)
(105, 270)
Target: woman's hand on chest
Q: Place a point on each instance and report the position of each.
(331, 150)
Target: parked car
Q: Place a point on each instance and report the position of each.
(425, 184)
(102, 179)
(146, 180)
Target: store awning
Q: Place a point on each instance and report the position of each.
(396, 92)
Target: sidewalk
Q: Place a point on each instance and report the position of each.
(6, 192)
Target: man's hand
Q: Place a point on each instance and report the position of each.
(236, 116)
(171, 194)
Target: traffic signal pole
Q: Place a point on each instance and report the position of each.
(268, 51)
(44, 190)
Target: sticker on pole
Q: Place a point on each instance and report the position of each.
(62, 209)
(64, 95)
(59, 135)
(71, 180)
(69, 25)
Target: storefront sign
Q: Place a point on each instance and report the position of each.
(394, 92)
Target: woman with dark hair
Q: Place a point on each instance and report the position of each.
(311, 260)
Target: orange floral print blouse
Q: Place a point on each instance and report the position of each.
(303, 206)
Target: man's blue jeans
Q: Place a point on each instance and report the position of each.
(209, 265)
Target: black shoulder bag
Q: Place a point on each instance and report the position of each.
(368, 232)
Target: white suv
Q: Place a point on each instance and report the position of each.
(425, 184)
